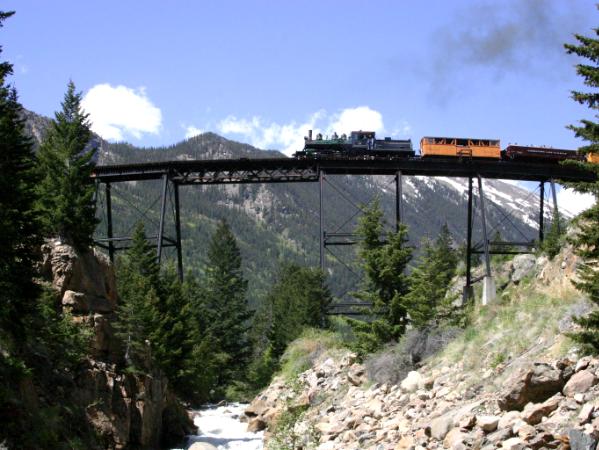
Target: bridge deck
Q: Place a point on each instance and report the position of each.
(285, 170)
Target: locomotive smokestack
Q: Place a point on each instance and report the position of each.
(309, 135)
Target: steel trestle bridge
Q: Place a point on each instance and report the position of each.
(291, 170)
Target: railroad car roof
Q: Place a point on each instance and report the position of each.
(459, 138)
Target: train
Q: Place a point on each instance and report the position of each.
(358, 144)
(365, 145)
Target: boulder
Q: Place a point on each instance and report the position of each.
(534, 384)
(356, 374)
(454, 438)
(513, 444)
(523, 430)
(405, 443)
(523, 265)
(440, 427)
(508, 419)
(412, 382)
(256, 424)
(586, 413)
(544, 440)
(533, 413)
(487, 423)
(579, 440)
(580, 383)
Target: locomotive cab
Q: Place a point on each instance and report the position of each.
(361, 137)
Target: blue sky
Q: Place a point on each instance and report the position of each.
(263, 72)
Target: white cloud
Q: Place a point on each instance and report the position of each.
(192, 131)
(118, 111)
(360, 118)
(573, 202)
(289, 137)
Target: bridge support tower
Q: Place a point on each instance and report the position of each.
(160, 240)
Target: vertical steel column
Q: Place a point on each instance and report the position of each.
(321, 235)
(398, 200)
(484, 220)
(555, 209)
(109, 222)
(162, 214)
(469, 241)
(178, 232)
(542, 212)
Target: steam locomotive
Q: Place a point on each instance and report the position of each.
(365, 145)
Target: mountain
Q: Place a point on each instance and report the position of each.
(280, 222)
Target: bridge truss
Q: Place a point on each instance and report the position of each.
(173, 174)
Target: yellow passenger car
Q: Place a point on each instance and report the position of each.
(460, 147)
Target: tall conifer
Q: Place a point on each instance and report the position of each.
(586, 241)
(65, 165)
(383, 260)
(225, 294)
(299, 299)
(137, 313)
(19, 225)
(430, 278)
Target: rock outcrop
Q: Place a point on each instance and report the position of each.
(126, 410)
(430, 411)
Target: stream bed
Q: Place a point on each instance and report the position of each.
(221, 427)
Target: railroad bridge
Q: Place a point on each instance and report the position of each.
(289, 170)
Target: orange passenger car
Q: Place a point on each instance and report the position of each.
(460, 147)
(593, 158)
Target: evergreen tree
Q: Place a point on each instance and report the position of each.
(202, 366)
(383, 262)
(39, 345)
(171, 339)
(299, 299)
(141, 258)
(430, 279)
(423, 296)
(20, 236)
(586, 241)
(137, 314)
(65, 165)
(552, 243)
(225, 291)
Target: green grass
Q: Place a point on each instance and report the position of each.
(525, 320)
(312, 344)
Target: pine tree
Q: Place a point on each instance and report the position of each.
(65, 165)
(299, 299)
(383, 262)
(141, 258)
(202, 366)
(225, 291)
(171, 338)
(552, 243)
(137, 314)
(39, 345)
(20, 236)
(423, 298)
(586, 241)
(430, 279)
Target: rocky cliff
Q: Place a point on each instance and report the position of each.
(126, 410)
(539, 393)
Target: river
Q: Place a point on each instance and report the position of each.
(220, 426)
